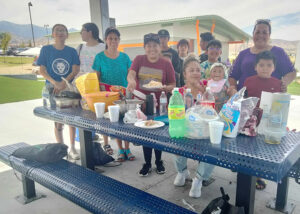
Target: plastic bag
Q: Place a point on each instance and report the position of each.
(196, 119)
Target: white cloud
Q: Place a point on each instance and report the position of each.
(74, 13)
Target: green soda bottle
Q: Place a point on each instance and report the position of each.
(176, 114)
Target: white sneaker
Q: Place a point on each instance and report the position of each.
(195, 191)
(181, 177)
(74, 155)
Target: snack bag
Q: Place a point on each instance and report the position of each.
(230, 114)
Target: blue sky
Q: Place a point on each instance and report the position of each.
(284, 14)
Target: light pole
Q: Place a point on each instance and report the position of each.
(30, 4)
(46, 26)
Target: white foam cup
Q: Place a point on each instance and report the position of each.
(216, 131)
(99, 109)
(114, 113)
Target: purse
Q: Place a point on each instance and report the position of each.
(221, 205)
(99, 156)
(45, 153)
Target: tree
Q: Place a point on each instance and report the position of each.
(5, 39)
(29, 43)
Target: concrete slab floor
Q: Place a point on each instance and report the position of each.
(18, 124)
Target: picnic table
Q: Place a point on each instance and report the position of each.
(250, 157)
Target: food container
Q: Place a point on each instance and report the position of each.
(62, 102)
(101, 97)
(130, 104)
(274, 136)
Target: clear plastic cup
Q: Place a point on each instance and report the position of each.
(114, 112)
(215, 131)
(99, 109)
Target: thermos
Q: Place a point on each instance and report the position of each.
(149, 105)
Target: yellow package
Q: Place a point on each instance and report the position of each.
(87, 83)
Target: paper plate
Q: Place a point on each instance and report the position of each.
(141, 124)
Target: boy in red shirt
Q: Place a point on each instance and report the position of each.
(264, 66)
(263, 81)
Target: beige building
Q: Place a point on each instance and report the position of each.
(189, 28)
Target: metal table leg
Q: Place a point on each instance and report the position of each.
(29, 193)
(280, 203)
(86, 149)
(245, 192)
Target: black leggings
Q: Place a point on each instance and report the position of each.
(148, 155)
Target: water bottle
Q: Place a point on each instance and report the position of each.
(198, 100)
(188, 99)
(163, 104)
(176, 114)
(208, 98)
(154, 103)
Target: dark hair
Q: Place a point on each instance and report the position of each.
(268, 55)
(94, 29)
(111, 30)
(207, 36)
(263, 21)
(190, 58)
(214, 43)
(151, 37)
(183, 42)
(62, 25)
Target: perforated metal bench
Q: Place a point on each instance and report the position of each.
(92, 191)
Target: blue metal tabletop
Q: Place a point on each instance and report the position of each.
(248, 155)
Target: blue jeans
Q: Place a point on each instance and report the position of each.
(203, 171)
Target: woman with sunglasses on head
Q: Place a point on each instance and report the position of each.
(57, 61)
(112, 67)
(244, 65)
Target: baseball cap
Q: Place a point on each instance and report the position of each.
(151, 37)
(163, 33)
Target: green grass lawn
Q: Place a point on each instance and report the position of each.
(294, 88)
(14, 90)
(15, 60)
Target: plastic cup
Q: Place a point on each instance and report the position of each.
(216, 131)
(113, 112)
(99, 109)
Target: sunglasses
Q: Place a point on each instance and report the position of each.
(211, 49)
(151, 36)
(263, 21)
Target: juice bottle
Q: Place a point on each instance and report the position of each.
(176, 114)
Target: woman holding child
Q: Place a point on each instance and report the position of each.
(246, 65)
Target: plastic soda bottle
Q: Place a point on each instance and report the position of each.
(163, 104)
(176, 114)
(188, 99)
(208, 98)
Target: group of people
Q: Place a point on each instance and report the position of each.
(260, 68)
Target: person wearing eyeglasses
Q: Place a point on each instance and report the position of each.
(57, 61)
(244, 65)
(214, 50)
(112, 67)
(144, 69)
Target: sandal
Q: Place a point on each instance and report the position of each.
(129, 155)
(121, 155)
(108, 149)
(260, 184)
